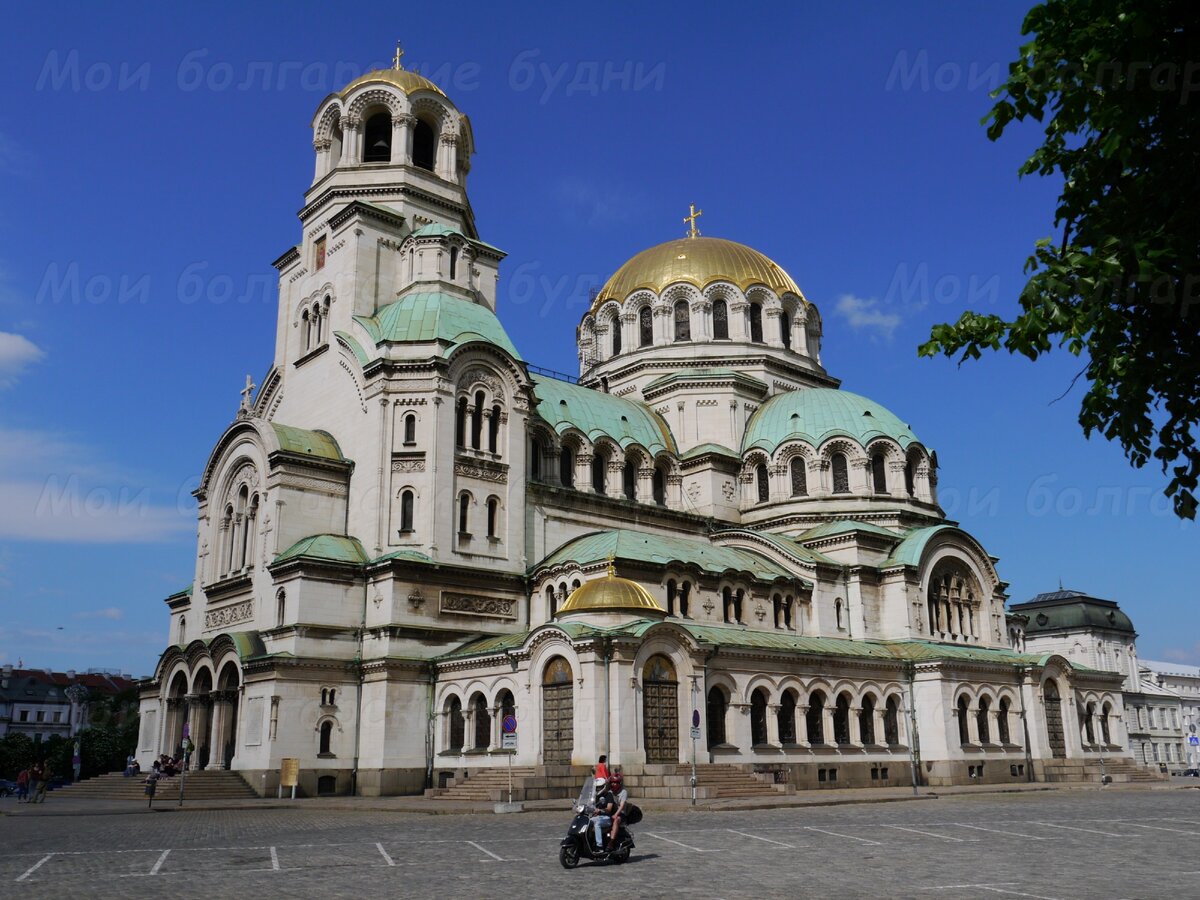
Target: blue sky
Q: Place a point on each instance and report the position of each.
(148, 176)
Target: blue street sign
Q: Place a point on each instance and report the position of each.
(695, 718)
(1194, 740)
(509, 725)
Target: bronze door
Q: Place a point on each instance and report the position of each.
(558, 724)
(1054, 722)
(660, 716)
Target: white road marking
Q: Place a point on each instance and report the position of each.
(1032, 837)
(1160, 828)
(837, 834)
(763, 839)
(384, 854)
(931, 834)
(274, 860)
(677, 843)
(996, 887)
(1088, 830)
(37, 865)
(158, 865)
(486, 850)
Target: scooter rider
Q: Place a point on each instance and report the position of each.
(605, 807)
(616, 785)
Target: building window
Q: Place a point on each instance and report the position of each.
(1002, 721)
(837, 614)
(786, 718)
(762, 479)
(841, 720)
(615, 324)
(464, 507)
(377, 138)
(841, 473)
(891, 722)
(683, 321)
(423, 146)
(407, 499)
(785, 330)
(671, 597)
(814, 718)
(493, 509)
(758, 718)
(645, 327)
(319, 253)
(983, 726)
(866, 720)
(799, 477)
(599, 470)
(453, 263)
(280, 608)
(659, 487)
(494, 429)
(718, 703)
(629, 480)
(964, 736)
(685, 591)
(909, 480)
(410, 428)
(477, 420)
(456, 724)
(720, 314)
(878, 474)
(535, 460)
(460, 423)
(566, 467)
(756, 332)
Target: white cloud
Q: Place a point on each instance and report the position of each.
(1190, 656)
(867, 315)
(110, 612)
(16, 353)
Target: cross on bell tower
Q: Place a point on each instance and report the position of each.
(693, 215)
(396, 59)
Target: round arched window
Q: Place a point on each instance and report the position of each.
(557, 672)
(659, 668)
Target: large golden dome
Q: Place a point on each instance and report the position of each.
(407, 81)
(610, 594)
(699, 261)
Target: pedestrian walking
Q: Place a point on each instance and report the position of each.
(23, 785)
(43, 783)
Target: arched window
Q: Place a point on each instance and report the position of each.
(535, 459)
(658, 483)
(814, 718)
(280, 608)
(866, 720)
(645, 327)
(785, 329)
(464, 509)
(460, 423)
(738, 595)
(727, 604)
(1089, 730)
(599, 471)
(841, 473)
(758, 718)
(377, 138)
(248, 531)
(838, 611)
(909, 481)
(683, 321)
(493, 508)
(306, 330)
(551, 601)
(720, 314)
(981, 721)
(324, 697)
(671, 596)
(453, 263)
(494, 429)
(477, 420)
(777, 609)
(506, 704)
(799, 477)
(1104, 714)
(841, 720)
(410, 428)
(326, 739)
(763, 482)
(456, 724)
(1002, 721)
(878, 474)
(423, 145)
(629, 480)
(483, 722)
(756, 332)
(685, 591)
(891, 721)
(614, 325)
(964, 734)
(332, 697)
(787, 718)
(788, 603)
(181, 637)
(717, 705)
(566, 467)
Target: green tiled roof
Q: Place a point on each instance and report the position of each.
(1064, 609)
(702, 449)
(407, 555)
(635, 546)
(332, 547)
(815, 414)
(909, 551)
(249, 644)
(715, 374)
(844, 526)
(563, 405)
(307, 443)
(790, 547)
(355, 347)
(436, 316)
(437, 229)
(500, 643)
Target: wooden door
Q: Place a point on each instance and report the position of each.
(558, 724)
(660, 711)
(1054, 720)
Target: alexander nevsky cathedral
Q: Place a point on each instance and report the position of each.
(700, 545)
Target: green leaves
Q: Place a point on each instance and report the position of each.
(1111, 81)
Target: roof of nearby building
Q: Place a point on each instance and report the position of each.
(1066, 609)
(634, 546)
(320, 444)
(563, 405)
(41, 685)
(427, 316)
(1170, 668)
(816, 414)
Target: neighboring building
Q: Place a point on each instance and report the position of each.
(1093, 632)
(1184, 682)
(43, 704)
(410, 532)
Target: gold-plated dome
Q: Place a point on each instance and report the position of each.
(610, 594)
(407, 81)
(699, 261)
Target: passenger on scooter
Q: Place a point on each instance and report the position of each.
(605, 806)
(616, 785)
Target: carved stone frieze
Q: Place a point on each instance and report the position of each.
(229, 615)
(483, 471)
(469, 605)
(409, 464)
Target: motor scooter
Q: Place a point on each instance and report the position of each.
(580, 842)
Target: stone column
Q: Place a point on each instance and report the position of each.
(880, 731)
(739, 327)
(221, 709)
(174, 725)
(855, 723)
(350, 139)
(800, 330)
(583, 473)
(321, 146)
(827, 725)
(402, 132)
(645, 484)
(447, 157)
(675, 491)
(973, 725)
(773, 327)
(773, 724)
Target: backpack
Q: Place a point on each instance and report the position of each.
(632, 814)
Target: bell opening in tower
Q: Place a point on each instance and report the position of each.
(377, 143)
(423, 145)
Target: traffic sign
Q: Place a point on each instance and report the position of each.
(695, 718)
(695, 732)
(1194, 740)
(508, 741)
(509, 725)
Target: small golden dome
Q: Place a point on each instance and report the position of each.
(407, 81)
(610, 594)
(699, 261)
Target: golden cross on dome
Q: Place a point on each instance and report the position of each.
(693, 215)
(396, 59)
(612, 565)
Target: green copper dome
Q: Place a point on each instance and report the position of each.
(435, 316)
(815, 414)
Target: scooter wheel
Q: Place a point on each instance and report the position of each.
(569, 857)
(620, 856)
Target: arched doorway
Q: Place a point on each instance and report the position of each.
(758, 718)
(718, 703)
(226, 712)
(177, 714)
(660, 710)
(483, 722)
(1054, 721)
(455, 724)
(558, 713)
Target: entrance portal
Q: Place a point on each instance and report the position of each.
(660, 710)
(558, 713)
(1054, 719)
